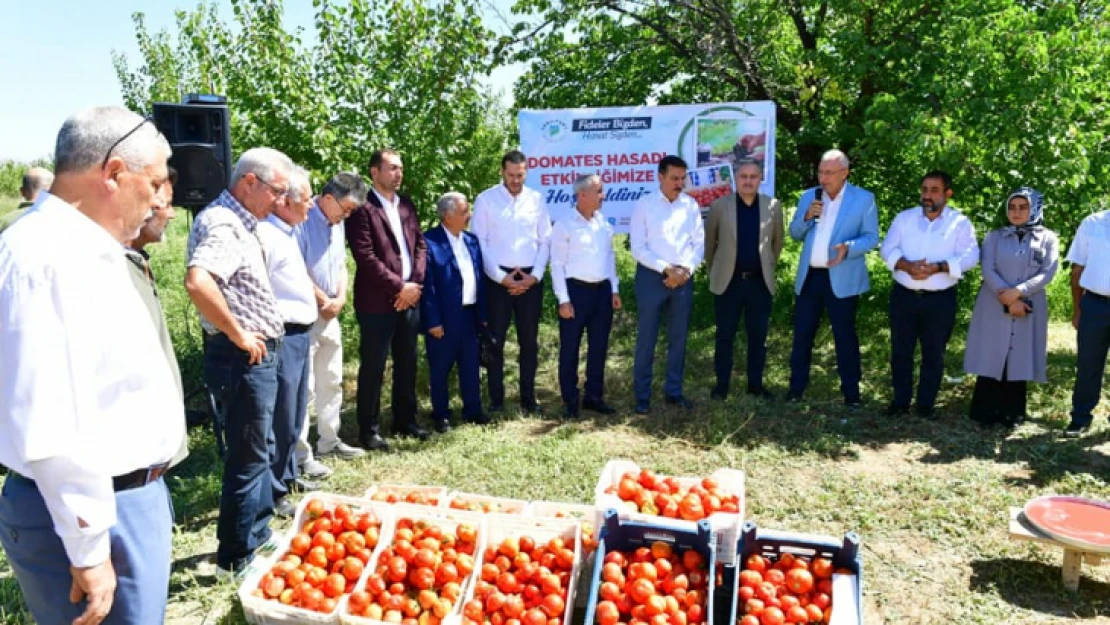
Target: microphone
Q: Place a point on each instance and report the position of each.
(817, 197)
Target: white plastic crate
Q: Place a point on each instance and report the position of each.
(583, 514)
(438, 493)
(725, 526)
(260, 611)
(448, 520)
(502, 526)
(500, 505)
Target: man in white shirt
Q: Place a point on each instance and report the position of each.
(668, 243)
(513, 226)
(322, 240)
(90, 415)
(453, 311)
(296, 303)
(584, 276)
(1090, 296)
(929, 248)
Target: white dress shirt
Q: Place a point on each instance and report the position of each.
(86, 392)
(666, 233)
(1091, 250)
(950, 238)
(393, 213)
(822, 236)
(296, 299)
(582, 249)
(466, 268)
(513, 231)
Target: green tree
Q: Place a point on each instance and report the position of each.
(400, 73)
(998, 92)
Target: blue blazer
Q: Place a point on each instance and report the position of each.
(441, 302)
(857, 224)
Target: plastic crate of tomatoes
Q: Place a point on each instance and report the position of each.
(485, 504)
(420, 576)
(787, 577)
(584, 514)
(318, 562)
(434, 496)
(528, 572)
(640, 494)
(647, 573)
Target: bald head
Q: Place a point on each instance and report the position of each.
(35, 180)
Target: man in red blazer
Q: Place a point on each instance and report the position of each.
(389, 250)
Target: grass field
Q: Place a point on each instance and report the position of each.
(929, 500)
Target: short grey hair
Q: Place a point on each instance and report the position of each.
(87, 137)
(36, 179)
(448, 202)
(585, 181)
(748, 162)
(838, 156)
(300, 184)
(264, 163)
(346, 186)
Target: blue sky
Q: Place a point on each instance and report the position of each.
(55, 58)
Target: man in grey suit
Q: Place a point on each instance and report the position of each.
(744, 235)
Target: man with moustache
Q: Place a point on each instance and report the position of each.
(513, 225)
(941, 243)
(230, 287)
(744, 235)
(584, 277)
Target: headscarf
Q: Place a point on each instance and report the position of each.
(1036, 210)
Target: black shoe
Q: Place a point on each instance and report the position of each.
(761, 393)
(413, 430)
(680, 401)
(1074, 429)
(530, 407)
(373, 442)
(793, 398)
(482, 419)
(570, 411)
(643, 407)
(285, 509)
(718, 393)
(928, 413)
(443, 427)
(301, 485)
(896, 410)
(598, 406)
(497, 408)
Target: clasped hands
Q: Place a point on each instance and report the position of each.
(408, 297)
(917, 269)
(675, 276)
(518, 282)
(1012, 300)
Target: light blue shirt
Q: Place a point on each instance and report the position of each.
(323, 248)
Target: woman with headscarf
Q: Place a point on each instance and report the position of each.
(1007, 340)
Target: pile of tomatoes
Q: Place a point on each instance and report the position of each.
(589, 538)
(706, 195)
(324, 559)
(665, 496)
(420, 576)
(483, 506)
(400, 496)
(788, 590)
(523, 582)
(653, 586)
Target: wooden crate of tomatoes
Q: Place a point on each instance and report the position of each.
(318, 563)
(647, 574)
(640, 494)
(785, 577)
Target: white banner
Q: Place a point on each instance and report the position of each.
(624, 144)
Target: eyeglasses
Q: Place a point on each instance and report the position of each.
(278, 191)
(108, 155)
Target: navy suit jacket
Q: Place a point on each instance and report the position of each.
(441, 302)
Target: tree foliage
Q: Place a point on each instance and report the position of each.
(1000, 93)
(398, 73)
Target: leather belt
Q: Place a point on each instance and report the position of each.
(1100, 296)
(748, 275)
(128, 481)
(297, 328)
(527, 270)
(588, 285)
(923, 292)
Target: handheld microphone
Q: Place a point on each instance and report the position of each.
(817, 197)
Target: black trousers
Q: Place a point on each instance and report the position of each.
(593, 315)
(380, 334)
(747, 296)
(919, 317)
(502, 309)
(998, 401)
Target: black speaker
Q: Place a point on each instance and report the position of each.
(200, 135)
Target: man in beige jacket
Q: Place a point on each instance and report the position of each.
(744, 234)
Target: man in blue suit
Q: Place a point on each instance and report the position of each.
(453, 310)
(839, 224)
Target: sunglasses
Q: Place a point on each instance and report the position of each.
(108, 155)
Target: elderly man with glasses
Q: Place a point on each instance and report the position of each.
(229, 285)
